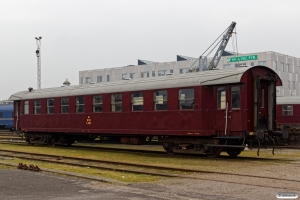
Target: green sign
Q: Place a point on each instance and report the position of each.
(242, 58)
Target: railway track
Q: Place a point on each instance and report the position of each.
(136, 168)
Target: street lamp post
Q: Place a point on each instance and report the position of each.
(38, 55)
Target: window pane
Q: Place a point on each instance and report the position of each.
(186, 99)
(80, 100)
(50, 102)
(65, 109)
(26, 107)
(50, 110)
(235, 97)
(221, 98)
(137, 101)
(64, 101)
(161, 100)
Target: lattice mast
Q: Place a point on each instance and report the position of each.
(201, 63)
(38, 55)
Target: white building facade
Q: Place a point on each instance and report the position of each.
(287, 67)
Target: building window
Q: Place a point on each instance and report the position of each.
(183, 71)
(137, 101)
(26, 107)
(37, 106)
(79, 104)
(162, 72)
(153, 73)
(262, 63)
(132, 75)
(50, 106)
(171, 71)
(240, 64)
(251, 63)
(107, 78)
(116, 102)
(99, 79)
(145, 74)
(275, 65)
(286, 67)
(124, 76)
(161, 100)
(87, 79)
(81, 80)
(186, 99)
(97, 103)
(235, 97)
(227, 66)
(64, 105)
(221, 98)
(281, 66)
(287, 110)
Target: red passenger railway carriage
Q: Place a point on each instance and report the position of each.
(203, 112)
(288, 119)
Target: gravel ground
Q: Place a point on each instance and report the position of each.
(204, 186)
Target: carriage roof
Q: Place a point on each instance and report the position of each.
(211, 77)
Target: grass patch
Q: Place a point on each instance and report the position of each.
(247, 159)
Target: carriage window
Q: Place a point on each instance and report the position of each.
(287, 110)
(161, 100)
(26, 107)
(221, 98)
(37, 106)
(137, 101)
(116, 102)
(50, 106)
(79, 104)
(186, 99)
(1, 115)
(64, 105)
(235, 97)
(97, 103)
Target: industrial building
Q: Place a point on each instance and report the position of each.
(287, 67)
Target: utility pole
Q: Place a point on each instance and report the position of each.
(38, 55)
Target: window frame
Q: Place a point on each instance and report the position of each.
(164, 100)
(219, 98)
(64, 105)
(239, 97)
(138, 107)
(79, 105)
(26, 106)
(96, 104)
(114, 105)
(288, 112)
(180, 95)
(49, 107)
(37, 107)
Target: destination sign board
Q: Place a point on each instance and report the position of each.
(242, 58)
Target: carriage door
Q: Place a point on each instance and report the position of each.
(261, 118)
(222, 110)
(234, 115)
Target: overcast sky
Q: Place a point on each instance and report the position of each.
(88, 34)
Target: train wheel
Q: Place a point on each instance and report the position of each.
(233, 152)
(215, 152)
(168, 147)
(51, 141)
